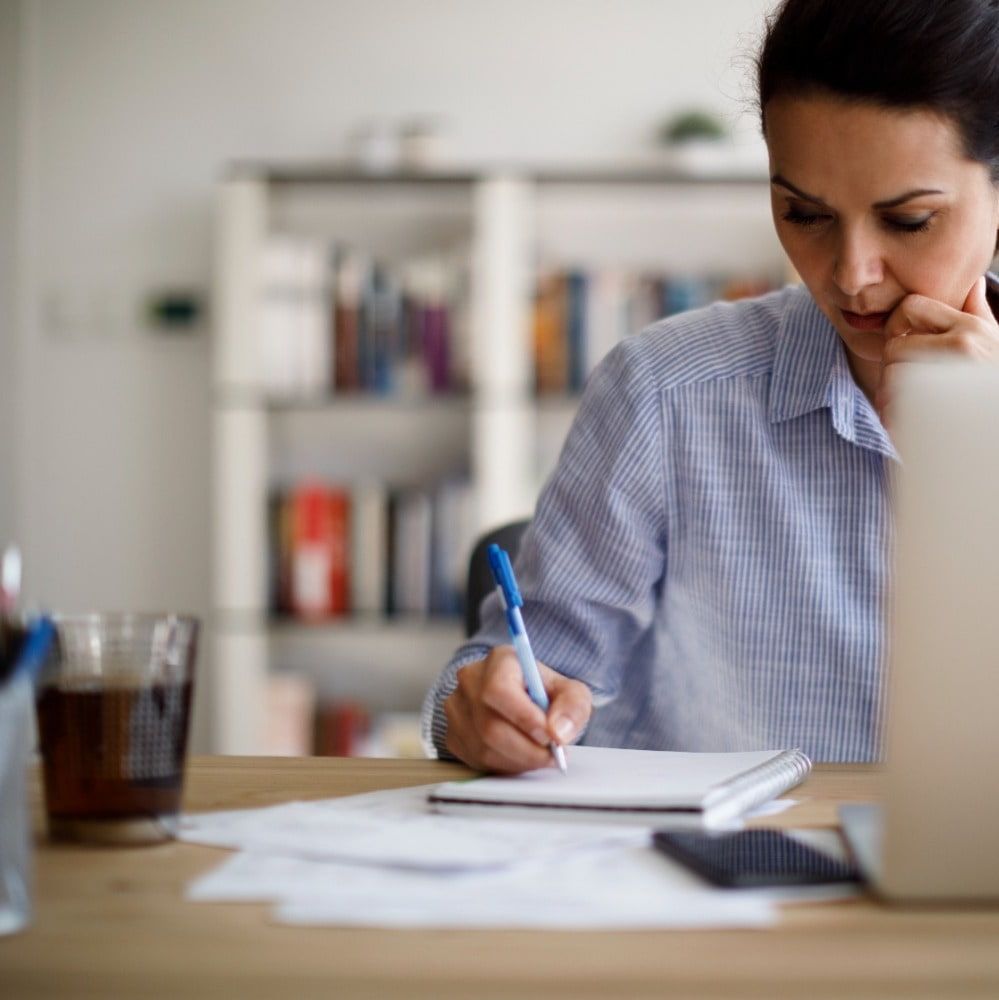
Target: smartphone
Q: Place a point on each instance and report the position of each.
(753, 858)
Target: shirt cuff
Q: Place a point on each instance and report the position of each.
(433, 721)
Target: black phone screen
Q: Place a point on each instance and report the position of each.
(753, 858)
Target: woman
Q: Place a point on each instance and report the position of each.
(708, 564)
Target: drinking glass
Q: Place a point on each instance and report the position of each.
(113, 711)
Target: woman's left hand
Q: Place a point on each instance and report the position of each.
(921, 327)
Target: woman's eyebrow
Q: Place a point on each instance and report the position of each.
(908, 196)
(887, 203)
(783, 182)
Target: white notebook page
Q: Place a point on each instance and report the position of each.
(603, 777)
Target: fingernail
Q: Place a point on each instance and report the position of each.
(540, 737)
(564, 729)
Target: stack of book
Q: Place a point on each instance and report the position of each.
(369, 549)
(578, 316)
(333, 320)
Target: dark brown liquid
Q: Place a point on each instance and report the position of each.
(113, 752)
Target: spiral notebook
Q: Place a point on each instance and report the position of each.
(653, 787)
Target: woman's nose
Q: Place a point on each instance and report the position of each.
(859, 264)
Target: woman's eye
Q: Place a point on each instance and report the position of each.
(804, 219)
(909, 224)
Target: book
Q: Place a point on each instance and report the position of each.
(349, 282)
(292, 332)
(652, 787)
(277, 315)
(578, 315)
(411, 556)
(551, 358)
(452, 538)
(369, 544)
(576, 294)
(368, 548)
(320, 532)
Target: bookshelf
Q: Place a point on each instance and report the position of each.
(506, 226)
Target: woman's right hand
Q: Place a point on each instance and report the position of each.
(492, 724)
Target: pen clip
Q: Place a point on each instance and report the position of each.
(499, 563)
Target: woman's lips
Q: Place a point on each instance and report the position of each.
(866, 321)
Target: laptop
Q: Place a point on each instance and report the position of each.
(935, 835)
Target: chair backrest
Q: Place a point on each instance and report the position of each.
(480, 577)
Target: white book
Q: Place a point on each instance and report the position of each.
(652, 787)
(277, 332)
(369, 548)
(312, 360)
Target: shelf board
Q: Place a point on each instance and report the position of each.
(367, 401)
(238, 399)
(339, 174)
(327, 173)
(250, 398)
(236, 622)
(364, 624)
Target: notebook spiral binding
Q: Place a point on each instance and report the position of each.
(758, 785)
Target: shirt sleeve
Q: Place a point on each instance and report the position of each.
(591, 562)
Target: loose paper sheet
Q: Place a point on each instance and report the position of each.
(627, 887)
(384, 859)
(397, 829)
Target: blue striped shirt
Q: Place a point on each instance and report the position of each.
(711, 552)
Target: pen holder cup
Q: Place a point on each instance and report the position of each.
(16, 709)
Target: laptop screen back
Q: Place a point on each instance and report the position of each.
(942, 783)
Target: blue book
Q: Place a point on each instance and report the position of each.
(576, 283)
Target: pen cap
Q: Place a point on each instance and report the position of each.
(499, 562)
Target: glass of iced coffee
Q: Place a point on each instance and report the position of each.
(113, 711)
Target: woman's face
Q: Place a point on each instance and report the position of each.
(873, 204)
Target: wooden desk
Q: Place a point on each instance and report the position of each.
(112, 923)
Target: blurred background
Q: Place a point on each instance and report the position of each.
(297, 298)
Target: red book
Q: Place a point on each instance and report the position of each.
(339, 528)
(346, 359)
(320, 534)
(311, 556)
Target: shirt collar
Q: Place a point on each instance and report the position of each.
(811, 372)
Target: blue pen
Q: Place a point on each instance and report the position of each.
(35, 649)
(506, 586)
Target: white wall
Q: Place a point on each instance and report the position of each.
(8, 235)
(131, 109)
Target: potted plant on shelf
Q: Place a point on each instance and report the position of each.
(696, 142)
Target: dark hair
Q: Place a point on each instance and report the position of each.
(941, 55)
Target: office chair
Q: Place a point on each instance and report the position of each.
(480, 577)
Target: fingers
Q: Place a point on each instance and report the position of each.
(570, 708)
(503, 692)
(487, 742)
(492, 723)
(920, 314)
(921, 328)
(977, 303)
